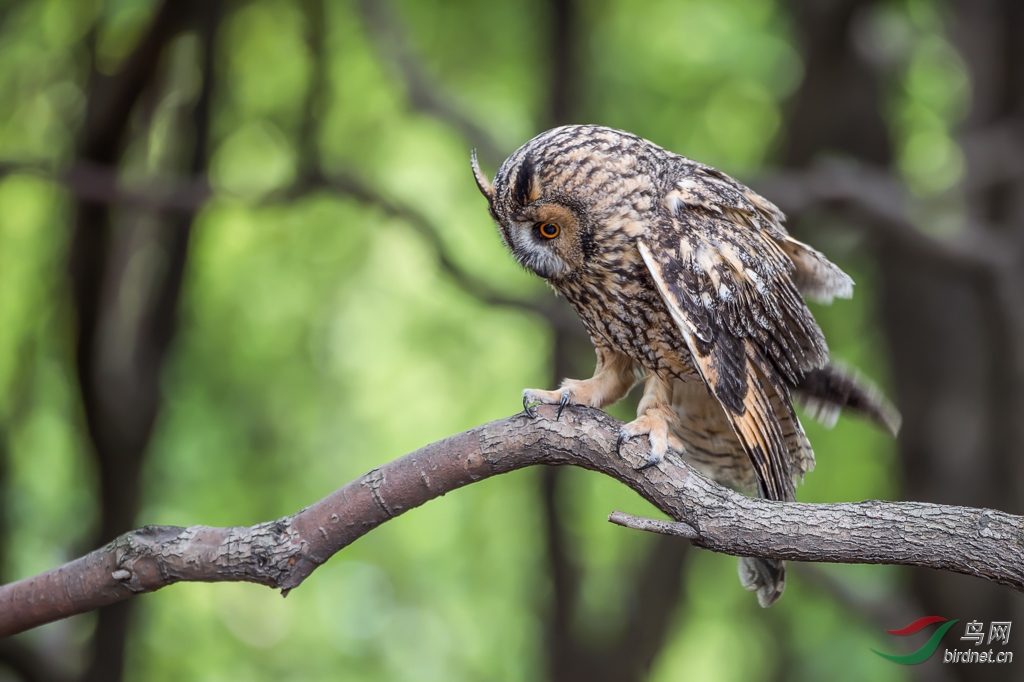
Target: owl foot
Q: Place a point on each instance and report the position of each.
(528, 407)
(533, 397)
(655, 425)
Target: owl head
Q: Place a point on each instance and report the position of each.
(564, 201)
(547, 232)
(547, 223)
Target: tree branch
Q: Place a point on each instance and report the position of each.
(425, 95)
(100, 184)
(978, 542)
(348, 185)
(555, 311)
(881, 206)
(283, 553)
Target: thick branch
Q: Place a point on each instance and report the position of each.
(283, 553)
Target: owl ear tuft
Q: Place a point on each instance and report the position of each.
(486, 188)
(524, 191)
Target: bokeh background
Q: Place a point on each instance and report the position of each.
(243, 261)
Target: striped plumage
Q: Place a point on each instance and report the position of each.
(685, 277)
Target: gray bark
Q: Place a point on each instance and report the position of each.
(282, 553)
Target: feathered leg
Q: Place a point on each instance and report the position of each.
(655, 417)
(613, 377)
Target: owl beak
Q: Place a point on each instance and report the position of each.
(486, 188)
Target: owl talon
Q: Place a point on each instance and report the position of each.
(533, 396)
(654, 424)
(528, 408)
(566, 396)
(652, 460)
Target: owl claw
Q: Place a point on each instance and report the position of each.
(656, 427)
(533, 396)
(528, 408)
(566, 396)
(652, 460)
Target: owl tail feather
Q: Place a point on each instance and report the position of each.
(824, 391)
(767, 576)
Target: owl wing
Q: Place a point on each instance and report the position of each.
(718, 256)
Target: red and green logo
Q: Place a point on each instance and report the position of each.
(929, 647)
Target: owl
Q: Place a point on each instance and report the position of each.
(686, 280)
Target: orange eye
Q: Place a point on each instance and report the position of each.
(548, 230)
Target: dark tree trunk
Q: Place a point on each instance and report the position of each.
(956, 341)
(121, 349)
(657, 577)
(838, 107)
(954, 337)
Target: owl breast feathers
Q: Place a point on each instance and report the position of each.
(685, 276)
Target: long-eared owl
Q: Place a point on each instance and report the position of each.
(685, 277)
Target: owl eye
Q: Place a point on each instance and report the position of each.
(548, 230)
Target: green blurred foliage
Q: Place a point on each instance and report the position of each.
(319, 338)
(930, 99)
